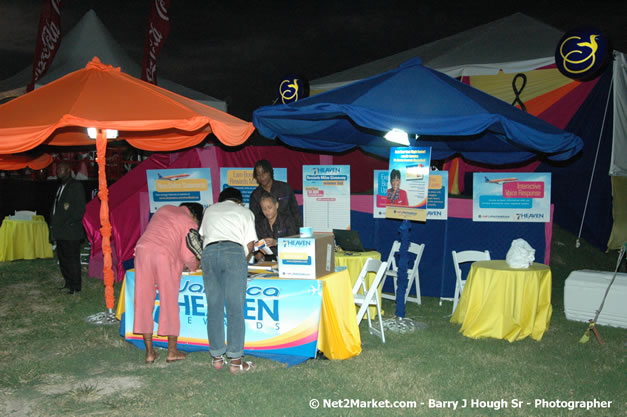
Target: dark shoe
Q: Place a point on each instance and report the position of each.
(65, 287)
(71, 291)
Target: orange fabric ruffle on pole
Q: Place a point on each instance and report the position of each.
(105, 225)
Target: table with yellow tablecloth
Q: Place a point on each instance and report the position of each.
(505, 303)
(338, 334)
(354, 262)
(24, 239)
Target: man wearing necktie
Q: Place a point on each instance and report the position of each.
(66, 226)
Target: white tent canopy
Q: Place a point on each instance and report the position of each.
(513, 44)
(87, 39)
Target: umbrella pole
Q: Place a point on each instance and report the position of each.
(399, 323)
(107, 317)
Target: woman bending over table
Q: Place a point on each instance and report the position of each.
(160, 256)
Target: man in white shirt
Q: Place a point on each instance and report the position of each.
(228, 231)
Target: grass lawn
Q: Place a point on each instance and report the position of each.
(53, 363)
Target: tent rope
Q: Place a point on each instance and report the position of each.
(585, 208)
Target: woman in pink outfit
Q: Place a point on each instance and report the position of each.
(160, 255)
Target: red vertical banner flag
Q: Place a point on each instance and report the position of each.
(48, 39)
(158, 29)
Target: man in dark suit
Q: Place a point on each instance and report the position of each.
(66, 227)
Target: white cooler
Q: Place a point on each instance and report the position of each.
(583, 293)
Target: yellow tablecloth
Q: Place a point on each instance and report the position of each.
(354, 262)
(505, 303)
(338, 335)
(24, 239)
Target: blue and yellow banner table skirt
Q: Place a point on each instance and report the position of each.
(505, 303)
(286, 319)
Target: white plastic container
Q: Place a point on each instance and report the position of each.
(583, 293)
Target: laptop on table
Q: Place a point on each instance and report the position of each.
(349, 240)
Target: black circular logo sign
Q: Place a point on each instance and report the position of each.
(582, 53)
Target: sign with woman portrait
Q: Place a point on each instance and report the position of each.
(437, 200)
(408, 186)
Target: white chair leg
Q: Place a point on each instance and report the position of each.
(455, 300)
(381, 323)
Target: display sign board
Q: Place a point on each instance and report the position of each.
(175, 186)
(242, 179)
(326, 197)
(437, 202)
(511, 197)
(406, 196)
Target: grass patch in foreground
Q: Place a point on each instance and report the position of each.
(53, 363)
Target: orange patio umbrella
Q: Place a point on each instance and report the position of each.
(100, 96)
(15, 162)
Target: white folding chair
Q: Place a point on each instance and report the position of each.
(460, 258)
(413, 276)
(369, 296)
(23, 215)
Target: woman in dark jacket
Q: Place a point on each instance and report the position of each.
(272, 225)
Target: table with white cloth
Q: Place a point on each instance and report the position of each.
(24, 239)
(502, 302)
(354, 262)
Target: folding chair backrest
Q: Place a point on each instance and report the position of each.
(23, 215)
(392, 256)
(371, 265)
(370, 293)
(468, 256)
(417, 250)
(460, 258)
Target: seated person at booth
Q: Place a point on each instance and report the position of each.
(288, 206)
(395, 195)
(272, 225)
(161, 254)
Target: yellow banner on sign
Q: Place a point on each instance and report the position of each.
(198, 184)
(435, 182)
(294, 256)
(393, 212)
(240, 178)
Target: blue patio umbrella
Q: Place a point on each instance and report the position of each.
(449, 116)
(446, 114)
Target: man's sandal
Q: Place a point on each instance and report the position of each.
(242, 366)
(218, 362)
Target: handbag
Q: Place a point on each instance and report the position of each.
(194, 242)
